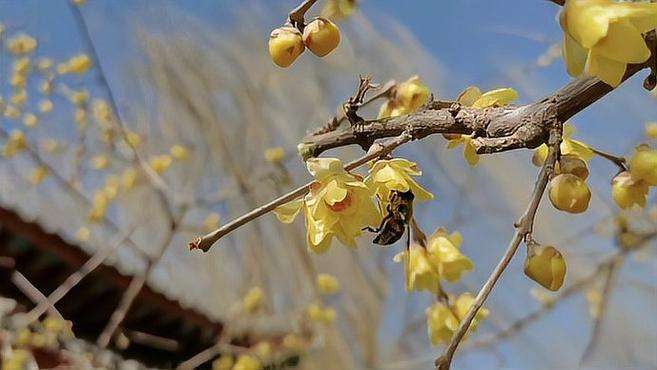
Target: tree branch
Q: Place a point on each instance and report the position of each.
(524, 228)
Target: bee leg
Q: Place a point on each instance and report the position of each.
(377, 230)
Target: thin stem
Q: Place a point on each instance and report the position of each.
(298, 13)
(618, 161)
(524, 227)
(205, 242)
(33, 293)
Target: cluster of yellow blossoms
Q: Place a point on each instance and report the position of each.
(405, 98)
(601, 37)
(443, 320)
(286, 43)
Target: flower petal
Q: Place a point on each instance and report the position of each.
(287, 212)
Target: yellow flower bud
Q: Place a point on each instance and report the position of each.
(224, 362)
(263, 350)
(253, 299)
(285, 46)
(38, 175)
(12, 112)
(30, 120)
(627, 192)
(546, 266)
(19, 98)
(160, 163)
(46, 87)
(327, 284)
(21, 44)
(79, 64)
(129, 178)
(321, 36)
(274, 155)
(45, 106)
(246, 362)
(132, 138)
(569, 193)
(179, 152)
(574, 165)
(320, 315)
(22, 66)
(643, 165)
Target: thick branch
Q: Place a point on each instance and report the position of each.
(497, 129)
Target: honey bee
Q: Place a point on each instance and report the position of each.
(393, 225)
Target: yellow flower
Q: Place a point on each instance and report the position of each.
(327, 284)
(129, 178)
(643, 165)
(19, 359)
(79, 2)
(59, 327)
(22, 66)
(444, 252)
(472, 97)
(15, 143)
(19, 98)
(102, 112)
(408, 97)
(651, 130)
(443, 321)
(45, 87)
(99, 162)
(253, 299)
(274, 155)
(44, 64)
(224, 362)
(421, 273)
(546, 266)
(339, 9)
(83, 234)
(79, 98)
(338, 205)
(38, 175)
(211, 222)
(45, 106)
(30, 120)
(160, 163)
(263, 350)
(320, 315)
(132, 138)
(395, 174)
(568, 146)
(179, 152)
(627, 191)
(79, 64)
(293, 342)
(246, 362)
(602, 36)
(112, 184)
(12, 112)
(21, 44)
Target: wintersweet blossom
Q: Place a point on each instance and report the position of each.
(421, 273)
(473, 97)
(395, 174)
(21, 44)
(568, 146)
(338, 205)
(601, 37)
(247, 362)
(408, 97)
(443, 321)
(253, 300)
(546, 266)
(327, 284)
(445, 254)
(321, 315)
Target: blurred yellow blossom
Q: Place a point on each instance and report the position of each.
(21, 44)
(444, 253)
(321, 315)
(253, 300)
(407, 97)
(274, 155)
(132, 138)
(60, 327)
(327, 284)
(395, 174)
(601, 37)
(247, 362)
(293, 342)
(225, 362)
(338, 205)
(179, 152)
(99, 162)
(30, 120)
(129, 178)
(79, 64)
(546, 266)
(19, 98)
(44, 63)
(112, 185)
(102, 112)
(651, 130)
(99, 206)
(45, 106)
(211, 222)
(19, 359)
(568, 146)
(50, 145)
(11, 112)
(38, 175)
(83, 234)
(79, 97)
(443, 321)
(46, 87)
(80, 117)
(338, 9)
(15, 143)
(160, 163)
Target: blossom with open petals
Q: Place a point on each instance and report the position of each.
(338, 205)
(395, 174)
(568, 146)
(421, 273)
(444, 321)
(445, 254)
(408, 97)
(473, 97)
(601, 37)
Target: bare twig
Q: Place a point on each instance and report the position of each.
(73, 279)
(154, 341)
(618, 161)
(33, 293)
(205, 242)
(296, 16)
(524, 228)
